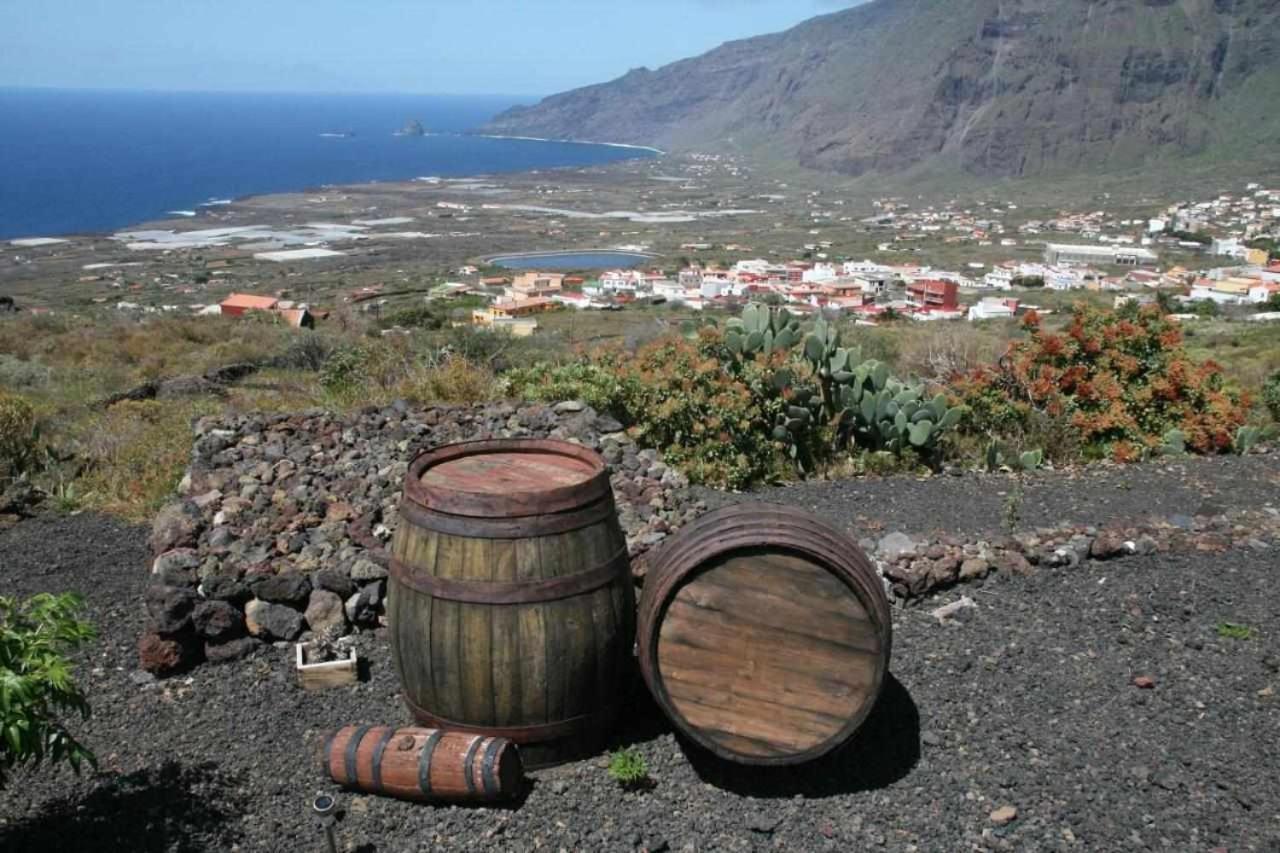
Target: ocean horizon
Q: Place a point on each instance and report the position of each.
(94, 161)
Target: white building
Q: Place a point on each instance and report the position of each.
(691, 277)
(1058, 278)
(1000, 278)
(1230, 291)
(820, 273)
(1231, 247)
(672, 291)
(622, 281)
(992, 308)
(1063, 253)
(712, 288)
(863, 267)
(1263, 291)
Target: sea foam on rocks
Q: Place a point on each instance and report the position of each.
(277, 507)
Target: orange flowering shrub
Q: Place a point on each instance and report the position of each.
(1123, 379)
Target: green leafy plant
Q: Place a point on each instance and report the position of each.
(1012, 509)
(342, 373)
(36, 684)
(1246, 439)
(66, 497)
(996, 458)
(1232, 631)
(628, 768)
(19, 437)
(1271, 396)
(1172, 443)
(596, 383)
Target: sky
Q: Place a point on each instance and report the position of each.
(518, 47)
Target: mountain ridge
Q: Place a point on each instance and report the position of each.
(998, 88)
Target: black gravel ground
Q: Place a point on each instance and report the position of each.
(1096, 495)
(1027, 701)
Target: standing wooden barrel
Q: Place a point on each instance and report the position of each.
(423, 764)
(511, 608)
(764, 634)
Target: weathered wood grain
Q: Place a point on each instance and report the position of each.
(527, 637)
(764, 634)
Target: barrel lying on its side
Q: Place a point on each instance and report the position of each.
(764, 634)
(424, 764)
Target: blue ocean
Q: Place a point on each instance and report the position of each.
(93, 161)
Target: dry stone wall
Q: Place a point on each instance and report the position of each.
(283, 523)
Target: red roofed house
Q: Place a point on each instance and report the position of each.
(238, 303)
(933, 293)
(294, 315)
(299, 318)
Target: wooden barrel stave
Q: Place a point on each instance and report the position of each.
(764, 634)
(525, 636)
(424, 764)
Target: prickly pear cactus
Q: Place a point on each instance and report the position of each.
(761, 329)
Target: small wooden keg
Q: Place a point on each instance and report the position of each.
(423, 764)
(511, 608)
(764, 634)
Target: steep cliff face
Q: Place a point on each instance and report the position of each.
(990, 87)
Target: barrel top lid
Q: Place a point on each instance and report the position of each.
(504, 472)
(507, 477)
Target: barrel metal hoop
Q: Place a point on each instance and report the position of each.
(526, 527)
(467, 763)
(514, 592)
(424, 762)
(487, 766)
(534, 733)
(349, 764)
(377, 756)
(328, 756)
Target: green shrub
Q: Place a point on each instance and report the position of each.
(19, 437)
(16, 373)
(308, 351)
(1206, 308)
(628, 768)
(453, 380)
(36, 684)
(416, 317)
(135, 453)
(1271, 396)
(1232, 631)
(595, 383)
(711, 416)
(367, 373)
(715, 426)
(343, 371)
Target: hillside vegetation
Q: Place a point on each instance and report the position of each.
(732, 403)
